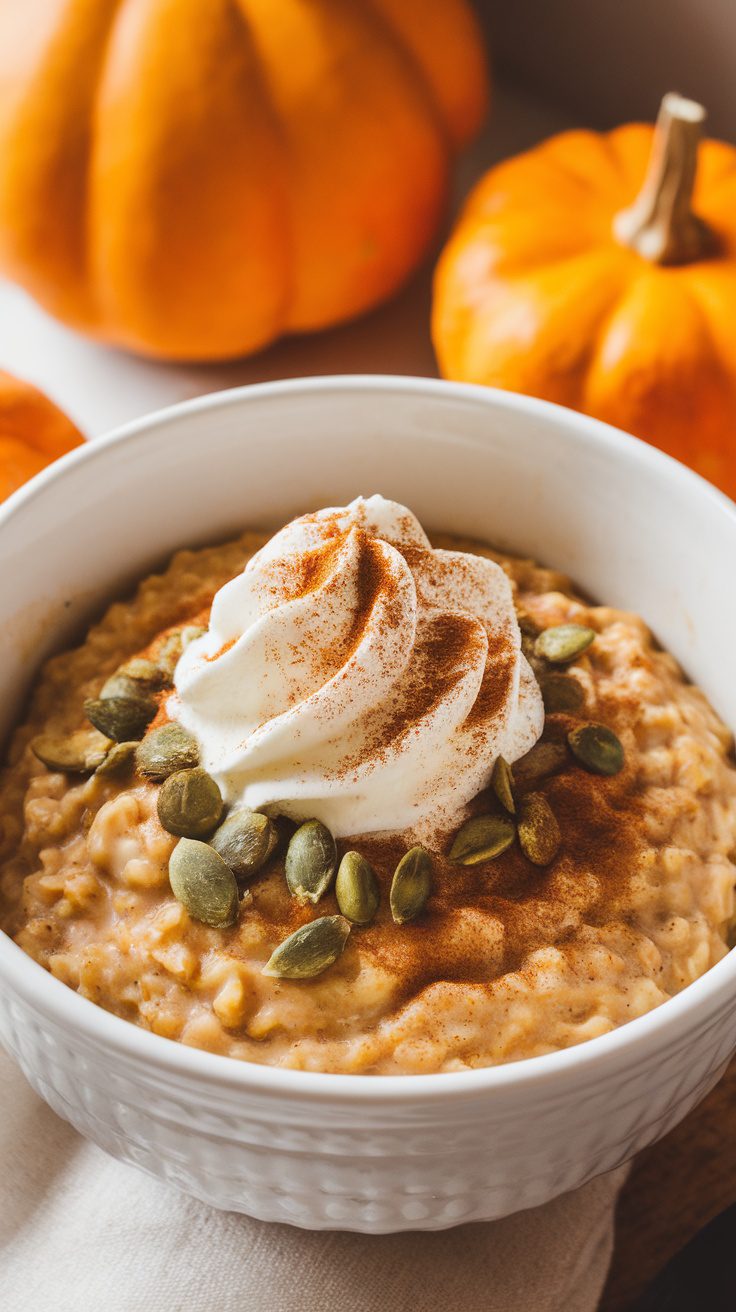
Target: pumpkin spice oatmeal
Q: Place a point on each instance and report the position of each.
(345, 800)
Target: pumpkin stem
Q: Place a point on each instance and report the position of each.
(661, 225)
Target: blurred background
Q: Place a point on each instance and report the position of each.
(555, 64)
(606, 61)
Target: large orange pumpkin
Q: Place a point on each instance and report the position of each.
(561, 282)
(192, 178)
(33, 432)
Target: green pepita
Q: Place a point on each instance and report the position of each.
(411, 885)
(561, 692)
(190, 804)
(245, 841)
(538, 830)
(165, 750)
(119, 759)
(144, 671)
(203, 883)
(119, 685)
(136, 678)
(311, 858)
(597, 749)
(563, 643)
(121, 718)
(502, 783)
(356, 889)
(543, 759)
(481, 839)
(77, 753)
(309, 950)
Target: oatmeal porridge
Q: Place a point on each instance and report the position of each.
(345, 800)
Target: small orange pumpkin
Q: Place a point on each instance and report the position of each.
(192, 178)
(33, 432)
(556, 284)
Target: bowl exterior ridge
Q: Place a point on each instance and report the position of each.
(324, 1167)
(367, 1153)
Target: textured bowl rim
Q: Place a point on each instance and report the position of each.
(593, 1058)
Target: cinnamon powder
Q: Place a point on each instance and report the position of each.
(521, 906)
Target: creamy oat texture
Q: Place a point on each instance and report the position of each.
(508, 961)
(354, 675)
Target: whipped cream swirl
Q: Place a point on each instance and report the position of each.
(353, 674)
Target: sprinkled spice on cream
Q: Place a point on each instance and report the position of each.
(353, 674)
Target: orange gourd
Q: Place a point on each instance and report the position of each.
(33, 432)
(193, 178)
(600, 272)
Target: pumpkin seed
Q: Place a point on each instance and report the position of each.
(356, 889)
(481, 839)
(77, 753)
(538, 830)
(203, 883)
(543, 759)
(144, 671)
(121, 718)
(561, 693)
(597, 749)
(502, 783)
(411, 885)
(189, 804)
(119, 759)
(137, 678)
(309, 950)
(563, 643)
(245, 841)
(166, 750)
(170, 651)
(311, 858)
(119, 685)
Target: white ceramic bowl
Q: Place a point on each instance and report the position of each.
(359, 1152)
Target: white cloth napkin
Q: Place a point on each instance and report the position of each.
(80, 1232)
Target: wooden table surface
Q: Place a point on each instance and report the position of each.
(675, 1188)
